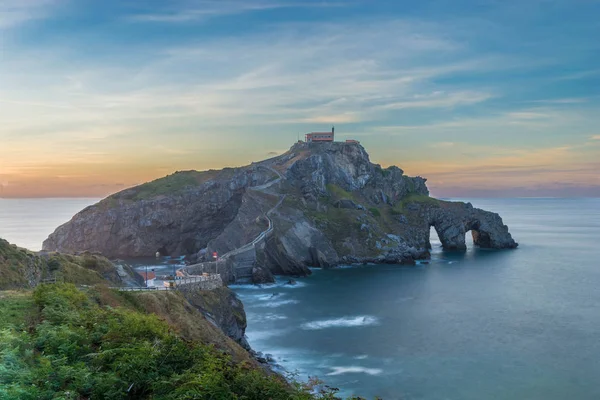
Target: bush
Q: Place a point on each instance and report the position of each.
(81, 350)
(375, 212)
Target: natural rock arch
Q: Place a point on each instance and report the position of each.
(487, 228)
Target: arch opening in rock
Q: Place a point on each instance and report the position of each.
(455, 237)
(434, 239)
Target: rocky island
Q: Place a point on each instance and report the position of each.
(317, 205)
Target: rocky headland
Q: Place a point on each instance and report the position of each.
(317, 205)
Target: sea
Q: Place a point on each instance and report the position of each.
(480, 324)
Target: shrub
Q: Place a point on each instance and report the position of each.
(82, 350)
(375, 212)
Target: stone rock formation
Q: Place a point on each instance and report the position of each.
(318, 204)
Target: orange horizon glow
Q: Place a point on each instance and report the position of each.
(91, 108)
(451, 177)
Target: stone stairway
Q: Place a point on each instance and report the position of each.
(243, 264)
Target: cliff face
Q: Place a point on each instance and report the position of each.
(214, 317)
(320, 204)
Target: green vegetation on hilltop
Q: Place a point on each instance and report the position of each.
(167, 185)
(21, 268)
(163, 186)
(75, 347)
(400, 207)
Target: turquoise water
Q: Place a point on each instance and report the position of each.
(519, 324)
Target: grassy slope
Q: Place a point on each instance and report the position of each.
(167, 185)
(15, 308)
(18, 266)
(103, 344)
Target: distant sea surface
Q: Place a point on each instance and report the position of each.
(28, 222)
(516, 324)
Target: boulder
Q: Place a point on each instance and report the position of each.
(262, 274)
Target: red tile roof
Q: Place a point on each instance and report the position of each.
(151, 275)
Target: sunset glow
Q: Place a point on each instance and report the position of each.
(486, 100)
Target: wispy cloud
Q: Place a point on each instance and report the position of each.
(527, 115)
(204, 10)
(16, 12)
(316, 73)
(573, 100)
(438, 99)
(443, 145)
(580, 75)
(433, 94)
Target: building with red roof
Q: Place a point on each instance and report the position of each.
(320, 136)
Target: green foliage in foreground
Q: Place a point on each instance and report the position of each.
(75, 349)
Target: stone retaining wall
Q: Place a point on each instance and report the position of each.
(221, 267)
(210, 282)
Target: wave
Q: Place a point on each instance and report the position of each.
(258, 336)
(344, 322)
(354, 369)
(268, 286)
(277, 303)
(265, 317)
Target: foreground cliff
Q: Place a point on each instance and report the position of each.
(60, 342)
(23, 269)
(319, 204)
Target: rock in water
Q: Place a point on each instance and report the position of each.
(317, 205)
(261, 274)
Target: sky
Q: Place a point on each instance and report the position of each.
(491, 98)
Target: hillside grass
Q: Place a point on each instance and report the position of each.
(86, 269)
(76, 348)
(337, 193)
(15, 263)
(400, 207)
(15, 308)
(20, 268)
(167, 185)
(170, 184)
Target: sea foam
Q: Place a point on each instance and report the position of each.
(355, 370)
(344, 322)
(277, 303)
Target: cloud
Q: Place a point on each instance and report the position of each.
(595, 137)
(443, 145)
(527, 115)
(573, 100)
(438, 99)
(16, 12)
(411, 89)
(279, 77)
(580, 75)
(204, 10)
